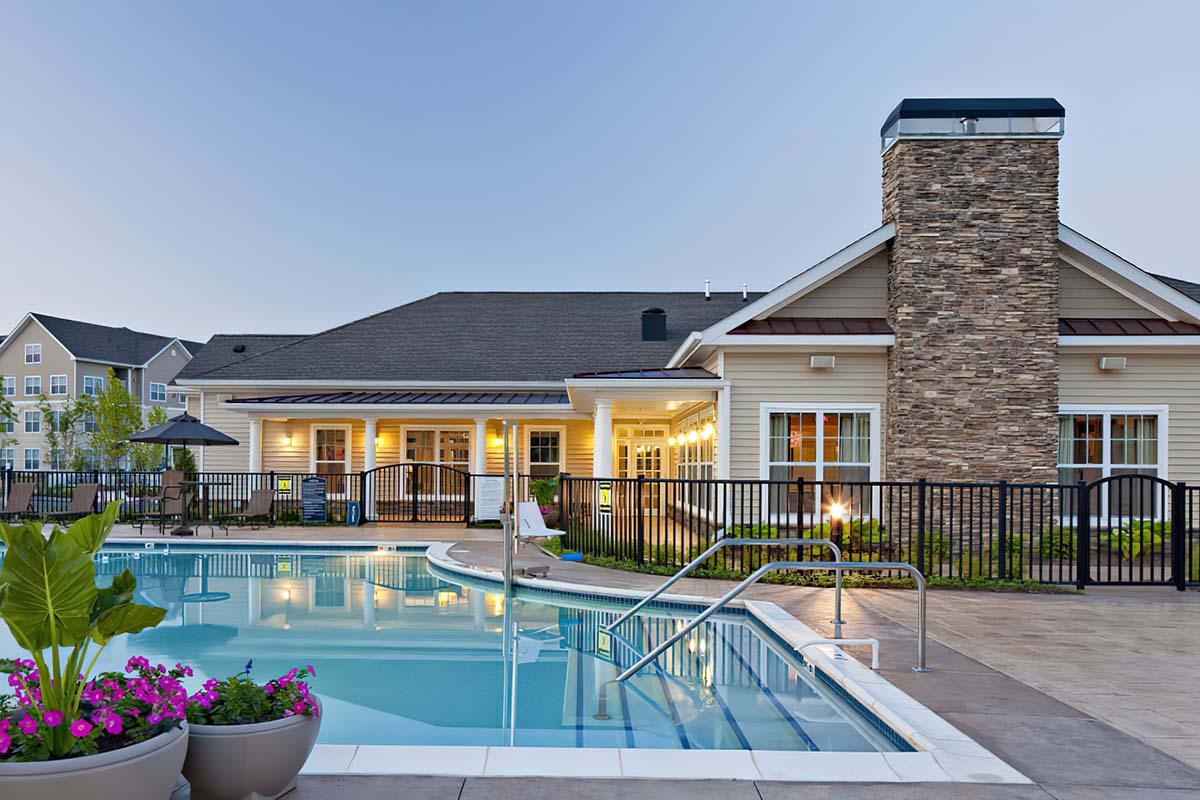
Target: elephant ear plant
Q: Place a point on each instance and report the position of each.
(55, 611)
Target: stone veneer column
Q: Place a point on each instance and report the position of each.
(973, 300)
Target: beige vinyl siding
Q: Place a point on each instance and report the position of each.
(579, 437)
(758, 378)
(1082, 296)
(233, 423)
(858, 292)
(1149, 379)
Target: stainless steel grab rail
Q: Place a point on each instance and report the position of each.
(721, 543)
(789, 566)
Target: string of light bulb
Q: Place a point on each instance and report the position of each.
(705, 432)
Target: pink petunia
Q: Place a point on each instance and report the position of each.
(28, 725)
(52, 718)
(299, 707)
(80, 728)
(113, 724)
(269, 688)
(5, 742)
(310, 669)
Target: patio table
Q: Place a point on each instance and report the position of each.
(185, 528)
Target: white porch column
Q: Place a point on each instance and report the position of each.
(723, 437)
(370, 426)
(479, 448)
(602, 454)
(255, 445)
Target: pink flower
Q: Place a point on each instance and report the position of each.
(269, 688)
(28, 726)
(5, 741)
(52, 718)
(153, 718)
(80, 728)
(299, 707)
(113, 724)
(310, 669)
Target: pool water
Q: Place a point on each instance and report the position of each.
(406, 656)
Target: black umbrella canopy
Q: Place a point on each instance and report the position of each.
(184, 429)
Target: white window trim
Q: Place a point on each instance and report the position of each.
(32, 349)
(165, 394)
(29, 378)
(454, 427)
(765, 410)
(25, 457)
(97, 382)
(9, 380)
(1107, 410)
(66, 387)
(561, 430)
(36, 416)
(312, 443)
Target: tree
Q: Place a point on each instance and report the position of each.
(118, 416)
(8, 415)
(148, 457)
(63, 428)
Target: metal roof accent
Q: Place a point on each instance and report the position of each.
(677, 372)
(1126, 327)
(411, 398)
(812, 326)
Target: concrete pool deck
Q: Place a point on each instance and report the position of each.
(1008, 672)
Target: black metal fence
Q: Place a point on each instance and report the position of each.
(1127, 529)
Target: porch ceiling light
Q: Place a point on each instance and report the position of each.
(671, 441)
(709, 430)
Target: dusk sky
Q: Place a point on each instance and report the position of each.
(286, 167)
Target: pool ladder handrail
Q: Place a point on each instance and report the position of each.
(797, 566)
(740, 542)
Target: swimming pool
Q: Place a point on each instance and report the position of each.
(405, 656)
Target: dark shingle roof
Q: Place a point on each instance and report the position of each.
(1126, 327)
(415, 398)
(478, 336)
(220, 350)
(1188, 288)
(92, 342)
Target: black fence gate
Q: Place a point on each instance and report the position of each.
(417, 492)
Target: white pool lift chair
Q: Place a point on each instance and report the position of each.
(531, 527)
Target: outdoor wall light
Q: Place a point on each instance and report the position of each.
(693, 436)
(837, 512)
(287, 439)
(671, 441)
(709, 429)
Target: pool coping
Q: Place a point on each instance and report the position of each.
(944, 754)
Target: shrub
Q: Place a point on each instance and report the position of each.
(238, 700)
(1137, 536)
(543, 491)
(1058, 542)
(1014, 550)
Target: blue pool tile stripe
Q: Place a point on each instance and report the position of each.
(666, 690)
(578, 698)
(775, 701)
(733, 723)
(629, 741)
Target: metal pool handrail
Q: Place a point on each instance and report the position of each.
(721, 543)
(788, 566)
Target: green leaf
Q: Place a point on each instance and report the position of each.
(51, 587)
(126, 618)
(120, 591)
(91, 531)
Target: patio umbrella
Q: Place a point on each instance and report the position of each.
(185, 430)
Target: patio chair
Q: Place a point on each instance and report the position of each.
(83, 502)
(168, 502)
(256, 511)
(20, 498)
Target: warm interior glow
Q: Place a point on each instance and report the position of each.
(287, 440)
(671, 441)
(706, 434)
(445, 598)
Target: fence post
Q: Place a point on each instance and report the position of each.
(562, 504)
(1179, 535)
(800, 506)
(640, 542)
(1083, 543)
(1003, 508)
(413, 485)
(921, 525)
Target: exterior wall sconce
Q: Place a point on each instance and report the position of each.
(289, 439)
(671, 442)
(1113, 362)
(822, 362)
(707, 431)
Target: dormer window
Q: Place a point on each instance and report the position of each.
(33, 353)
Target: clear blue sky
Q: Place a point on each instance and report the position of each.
(193, 168)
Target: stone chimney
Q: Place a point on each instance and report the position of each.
(972, 188)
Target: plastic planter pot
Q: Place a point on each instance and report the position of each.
(144, 771)
(249, 762)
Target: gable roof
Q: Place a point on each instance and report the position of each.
(90, 341)
(475, 336)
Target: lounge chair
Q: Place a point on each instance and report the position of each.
(20, 497)
(83, 502)
(256, 510)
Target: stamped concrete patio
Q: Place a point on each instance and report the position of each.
(1088, 695)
